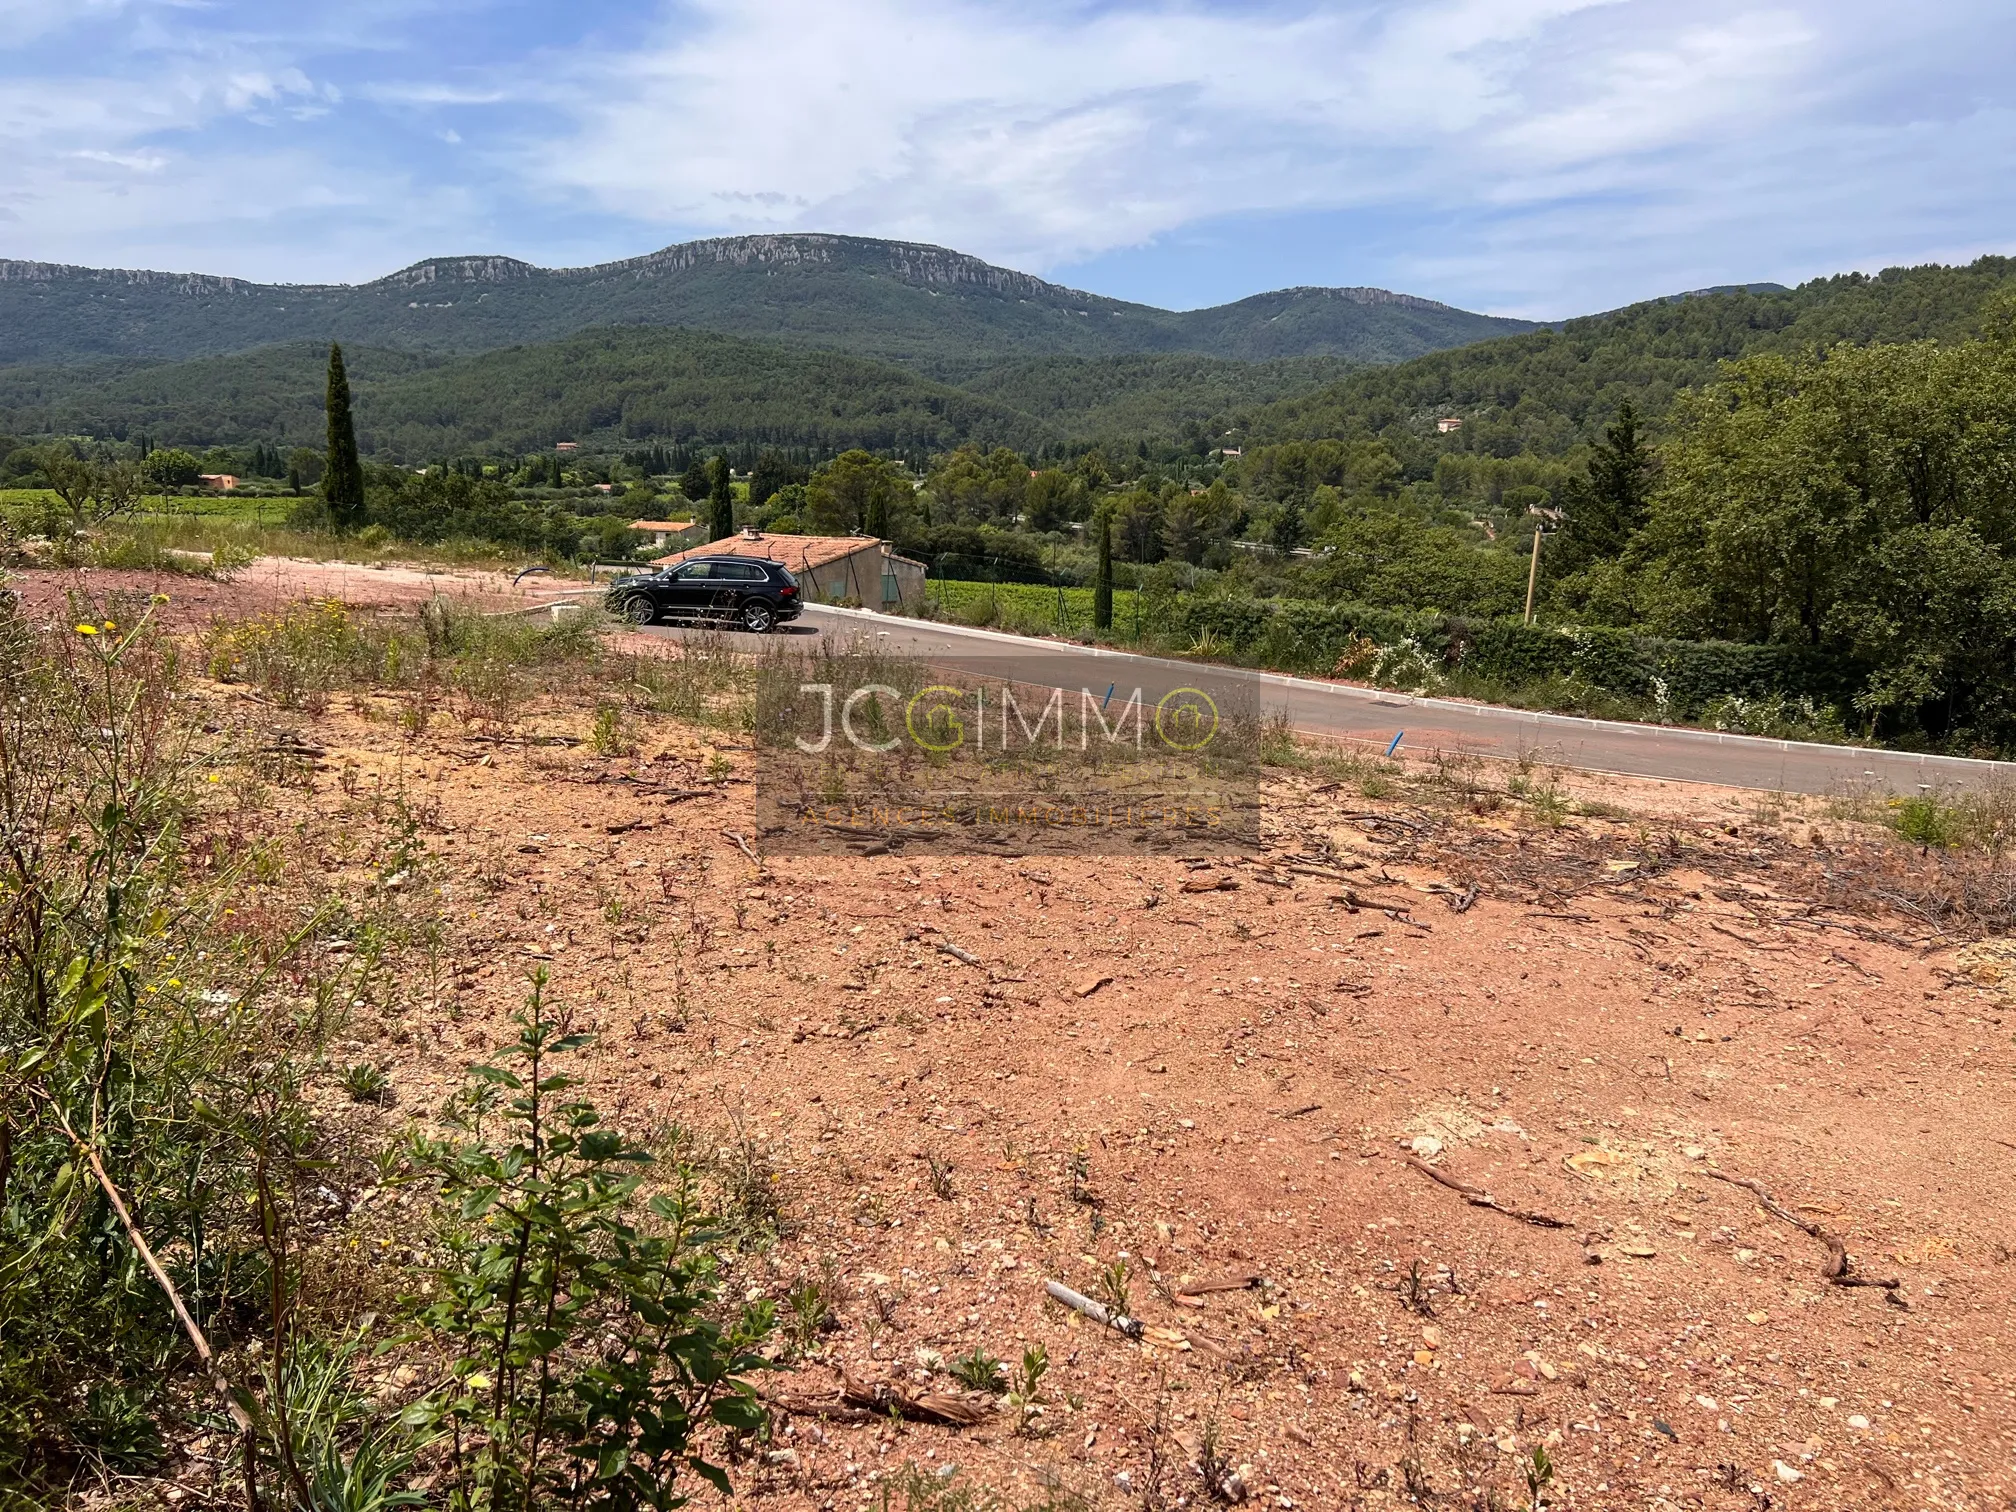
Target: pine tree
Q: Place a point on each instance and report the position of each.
(721, 497)
(343, 474)
(1102, 583)
(1603, 513)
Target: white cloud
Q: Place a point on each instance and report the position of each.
(1044, 136)
(1047, 137)
(23, 21)
(1532, 155)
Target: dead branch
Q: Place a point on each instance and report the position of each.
(802, 1406)
(1406, 824)
(1097, 1312)
(1243, 1281)
(1460, 900)
(1754, 944)
(929, 1406)
(1839, 1268)
(1332, 871)
(232, 1405)
(1478, 1198)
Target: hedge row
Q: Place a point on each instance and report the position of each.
(1300, 636)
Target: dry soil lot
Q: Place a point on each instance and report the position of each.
(1288, 1083)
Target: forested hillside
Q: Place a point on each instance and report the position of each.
(605, 389)
(1549, 391)
(936, 311)
(1118, 401)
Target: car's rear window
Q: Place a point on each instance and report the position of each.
(785, 573)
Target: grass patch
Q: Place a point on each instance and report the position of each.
(489, 664)
(1028, 608)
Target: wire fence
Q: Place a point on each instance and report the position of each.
(1031, 608)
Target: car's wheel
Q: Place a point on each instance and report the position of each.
(639, 610)
(758, 617)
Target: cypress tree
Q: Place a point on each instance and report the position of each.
(722, 498)
(343, 474)
(1102, 583)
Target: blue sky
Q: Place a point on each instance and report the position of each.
(1532, 157)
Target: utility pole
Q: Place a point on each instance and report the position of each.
(1533, 571)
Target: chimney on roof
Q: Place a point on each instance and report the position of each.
(751, 533)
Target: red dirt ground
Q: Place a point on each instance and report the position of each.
(1229, 1082)
(272, 582)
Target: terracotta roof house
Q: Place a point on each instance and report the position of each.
(222, 482)
(830, 569)
(662, 531)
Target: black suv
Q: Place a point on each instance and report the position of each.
(746, 591)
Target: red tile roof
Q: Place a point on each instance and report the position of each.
(806, 552)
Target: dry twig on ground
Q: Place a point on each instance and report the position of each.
(1839, 1269)
(1478, 1198)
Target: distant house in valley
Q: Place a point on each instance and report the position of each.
(830, 569)
(221, 482)
(1448, 424)
(664, 532)
(566, 446)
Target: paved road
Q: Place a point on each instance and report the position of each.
(1373, 717)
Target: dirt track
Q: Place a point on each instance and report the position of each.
(271, 582)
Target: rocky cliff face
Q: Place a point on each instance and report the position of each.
(458, 270)
(911, 262)
(181, 283)
(1357, 296)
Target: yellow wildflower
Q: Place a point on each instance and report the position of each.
(87, 629)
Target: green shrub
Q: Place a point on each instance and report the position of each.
(366, 1083)
(135, 1056)
(556, 1249)
(980, 1371)
(1926, 822)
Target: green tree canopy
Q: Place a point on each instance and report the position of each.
(772, 471)
(1861, 502)
(972, 486)
(855, 491)
(171, 467)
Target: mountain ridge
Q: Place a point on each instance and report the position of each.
(941, 312)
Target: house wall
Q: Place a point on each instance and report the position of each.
(858, 578)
